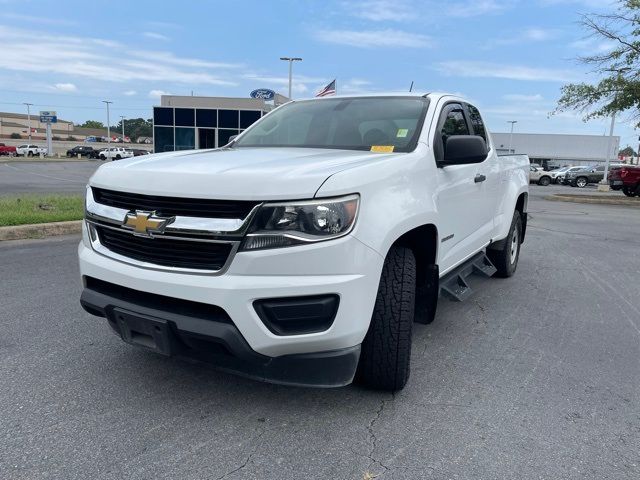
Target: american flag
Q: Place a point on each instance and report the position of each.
(328, 90)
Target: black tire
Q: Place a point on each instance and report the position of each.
(582, 182)
(386, 350)
(629, 191)
(103, 158)
(118, 157)
(505, 259)
(544, 181)
(30, 154)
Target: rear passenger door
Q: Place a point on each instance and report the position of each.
(465, 208)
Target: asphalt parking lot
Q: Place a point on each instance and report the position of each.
(537, 376)
(45, 177)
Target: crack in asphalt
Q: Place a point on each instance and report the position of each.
(373, 440)
(247, 460)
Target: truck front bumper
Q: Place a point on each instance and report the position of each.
(345, 268)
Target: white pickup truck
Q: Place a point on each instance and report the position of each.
(30, 150)
(297, 253)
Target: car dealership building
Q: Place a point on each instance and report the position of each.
(189, 122)
(557, 150)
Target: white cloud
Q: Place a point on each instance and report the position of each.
(511, 72)
(592, 46)
(155, 36)
(87, 58)
(472, 8)
(20, 18)
(65, 87)
(129, 93)
(374, 38)
(381, 10)
(538, 34)
(157, 93)
(517, 97)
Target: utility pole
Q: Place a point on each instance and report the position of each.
(512, 122)
(29, 105)
(122, 121)
(290, 60)
(107, 102)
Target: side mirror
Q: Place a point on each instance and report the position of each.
(464, 149)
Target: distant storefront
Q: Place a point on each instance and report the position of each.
(186, 122)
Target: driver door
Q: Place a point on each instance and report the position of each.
(463, 200)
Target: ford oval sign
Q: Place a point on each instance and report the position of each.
(263, 93)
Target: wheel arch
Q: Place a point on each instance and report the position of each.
(423, 242)
(521, 206)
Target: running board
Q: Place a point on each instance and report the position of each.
(454, 284)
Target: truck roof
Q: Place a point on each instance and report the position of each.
(430, 95)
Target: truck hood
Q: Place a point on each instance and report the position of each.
(243, 173)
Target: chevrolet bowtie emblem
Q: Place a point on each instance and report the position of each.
(145, 223)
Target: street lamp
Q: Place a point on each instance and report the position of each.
(512, 122)
(107, 102)
(29, 105)
(604, 181)
(290, 60)
(122, 121)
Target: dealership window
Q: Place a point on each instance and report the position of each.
(185, 138)
(163, 139)
(206, 117)
(185, 117)
(224, 134)
(247, 117)
(163, 116)
(228, 119)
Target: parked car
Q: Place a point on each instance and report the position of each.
(296, 259)
(582, 178)
(115, 153)
(28, 150)
(557, 174)
(91, 139)
(83, 151)
(139, 151)
(7, 150)
(627, 179)
(539, 176)
(562, 177)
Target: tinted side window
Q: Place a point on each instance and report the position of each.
(476, 122)
(454, 124)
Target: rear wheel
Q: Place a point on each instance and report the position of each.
(506, 258)
(30, 154)
(544, 181)
(581, 182)
(629, 191)
(118, 157)
(386, 349)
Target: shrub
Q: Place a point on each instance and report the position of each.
(55, 137)
(72, 139)
(15, 135)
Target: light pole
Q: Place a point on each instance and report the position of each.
(290, 60)
(122, 121)
(107, 102)
(604, 183)
(29, 105)
(512, 122)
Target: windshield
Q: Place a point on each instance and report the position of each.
(392, 123)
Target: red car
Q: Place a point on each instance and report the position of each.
(627, 179)
(6, 150)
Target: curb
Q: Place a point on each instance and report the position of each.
(603, 200)
(45, 159)
(40, 230)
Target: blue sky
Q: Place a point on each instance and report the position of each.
(510, 57)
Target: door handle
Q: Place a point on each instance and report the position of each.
(479, 178)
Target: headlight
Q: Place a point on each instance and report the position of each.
(297, 223)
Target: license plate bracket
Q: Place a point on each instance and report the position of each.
(144, 331)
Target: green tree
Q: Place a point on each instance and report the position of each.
(627, 152)
(134, 128)
(92, 124)
(619, 68)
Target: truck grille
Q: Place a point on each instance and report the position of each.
(174, 206)
(168, 252)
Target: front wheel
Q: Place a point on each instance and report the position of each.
(544, 181)
(30, 154)
(386, 349)
(506, 258)
(118, 157)
(581, 182)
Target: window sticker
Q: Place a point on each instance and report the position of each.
(402, 132)
(382, 148)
